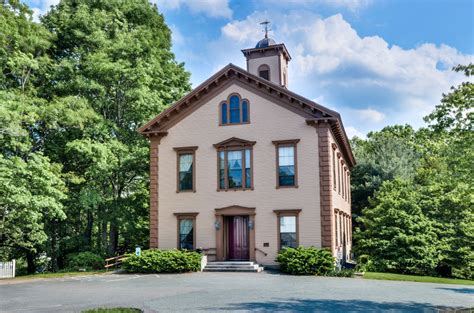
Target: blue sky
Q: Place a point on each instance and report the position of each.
(377, 62)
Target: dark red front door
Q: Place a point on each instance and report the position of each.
(238, 227)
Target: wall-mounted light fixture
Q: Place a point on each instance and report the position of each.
(251, 224)
(217, 225)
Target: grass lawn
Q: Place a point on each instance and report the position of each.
(113, 310)
(58, 275)
(424, 279)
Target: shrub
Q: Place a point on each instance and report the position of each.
(86, 260)
(163, 261)
(364, 264)
(345, 272)
(306, 261)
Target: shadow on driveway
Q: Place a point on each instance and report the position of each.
(310, 305)
(468, 291)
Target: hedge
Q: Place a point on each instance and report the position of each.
(306, 261)
(163, 261)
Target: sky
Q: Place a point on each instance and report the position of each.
(376, 62)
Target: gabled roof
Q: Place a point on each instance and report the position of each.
(312, 111)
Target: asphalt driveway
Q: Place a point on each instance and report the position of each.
(232, 292)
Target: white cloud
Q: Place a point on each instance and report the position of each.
(351, 5)
(212, 8)
(371, 82)
(352, 131)
(176, 36)
(41, 7)
(370, 115)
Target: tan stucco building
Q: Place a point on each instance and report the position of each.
(241, 167)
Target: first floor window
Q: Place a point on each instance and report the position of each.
(287, 232)
(186, 234)
(186, 230)
(287, 228)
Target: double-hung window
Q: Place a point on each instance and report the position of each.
(186, 169)
(339, 173)
(287, 228)
(286, 163)
(334, 160)
(186, 230)
(235, 164)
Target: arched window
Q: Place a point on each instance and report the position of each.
(264, 71)
(235, 110)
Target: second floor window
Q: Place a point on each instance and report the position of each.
(234, 111)
(186, 172)
(286, 163)
(235, 164)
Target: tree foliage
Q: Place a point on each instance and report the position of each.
(385, 155)
(398, 235)
(75, 88)
(436, 198)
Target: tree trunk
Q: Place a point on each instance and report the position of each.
(88, 231)
(113, 239)
(54, 254)
(30, 259)
(103, 238)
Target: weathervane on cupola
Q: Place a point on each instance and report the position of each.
(266, 22)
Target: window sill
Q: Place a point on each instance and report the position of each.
(236, 189)
(286, 187)
(185, 191)
(233, 124)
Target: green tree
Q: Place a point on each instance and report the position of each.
(446, 174)
(385, 155)
(33, 189)
(23, 47)
(117, 56)
(437, 197)
(30, 198)
(397, 235)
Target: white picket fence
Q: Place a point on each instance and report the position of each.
(7, 269)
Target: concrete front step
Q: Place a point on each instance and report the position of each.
(234, 269)
(233, 266)
(231, 263)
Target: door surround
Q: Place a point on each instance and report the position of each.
(233, 210)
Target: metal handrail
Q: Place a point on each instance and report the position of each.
(264, 253)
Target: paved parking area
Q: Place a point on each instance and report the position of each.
(230, 292)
